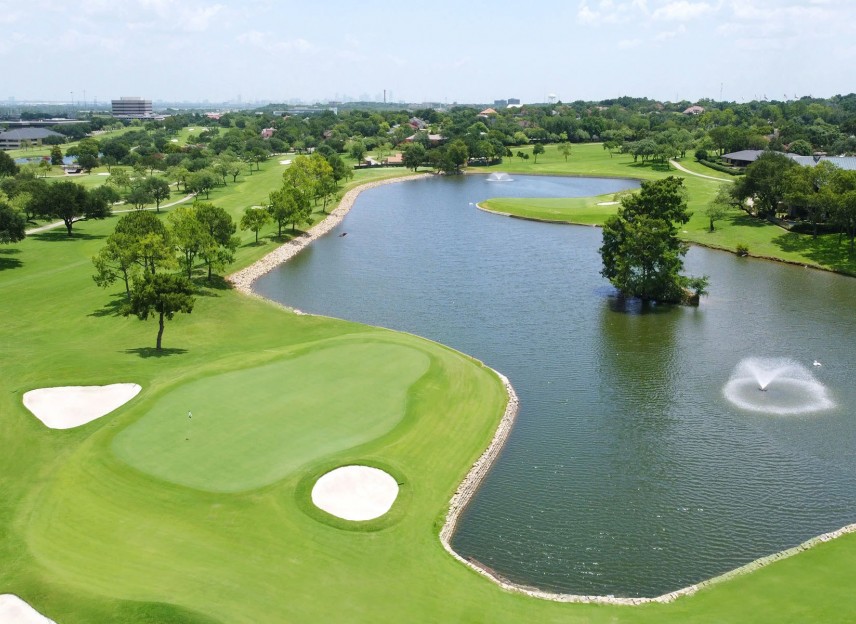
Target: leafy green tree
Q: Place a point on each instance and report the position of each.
(117, 259)
(565, 149)
(641, 252)
(357, 150)
(119, 178)
(188, 236)
(288, 205)
(7, 165)
(150, 240)
(455, 157)
(801, 147)
(162, 295)
(720, 206)
(413, 156)
(201, 182)
(537, 150)
(179, 173)
(764, 182)
(139, 197)
(71, 203)
(220, 244)
(45, 167)
(56, 155)
(158, 189)
(87, 154)
(13, 224)
(255, 219)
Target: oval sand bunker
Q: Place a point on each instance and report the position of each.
(71, 406)
(355, 492)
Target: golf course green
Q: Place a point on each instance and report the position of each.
(191, 504)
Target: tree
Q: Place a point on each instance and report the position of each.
(139, 197)
(116, 259)
(71, 203)
(201, 182)
(455, 157)
(158, 189)
(642, 255)
(188, 235)
(56, 155)
(13, 224)
(764, 182)
(7, 165)
(357, 150)
(162, 295)
(538, 149)
(119, 178)
(45, 167)
(220, 243)
(255, 219)
(87, 154)
(565, 149)
(149, 239)
(721, 204)
(288, 205)
(413, 155)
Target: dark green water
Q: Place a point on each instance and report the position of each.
(628, 472)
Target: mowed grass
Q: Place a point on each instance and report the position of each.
(87, 537)
(574, 210)
(291, 412)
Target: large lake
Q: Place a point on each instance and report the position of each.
(627, 472)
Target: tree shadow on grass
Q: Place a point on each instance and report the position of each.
(150, 352)
(823, 250)
(210, 288)
(113, 308)
(9, 263)
(60, 234)
(653, 166)
(747, 220)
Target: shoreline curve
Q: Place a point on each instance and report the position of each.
(242, 281)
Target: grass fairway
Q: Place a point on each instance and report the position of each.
(576, 210)
(86, 537)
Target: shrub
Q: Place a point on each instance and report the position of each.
(722, 168)
(742, 249)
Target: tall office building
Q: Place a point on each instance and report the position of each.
(132, 108)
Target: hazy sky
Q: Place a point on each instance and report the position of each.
(442, 50)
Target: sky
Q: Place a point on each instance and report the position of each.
(441, 51)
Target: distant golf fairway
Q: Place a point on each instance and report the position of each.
(248, 428)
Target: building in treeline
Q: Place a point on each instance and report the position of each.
(20, 137)
(132, 108)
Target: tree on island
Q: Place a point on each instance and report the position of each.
(641, 252)
(162, 295)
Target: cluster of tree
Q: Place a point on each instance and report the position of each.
(309, 179)
(823, 193)
(641, 252)
(156, 261)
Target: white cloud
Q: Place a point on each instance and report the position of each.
(264, 42)
(670, 34)
(611, 11)
(682, 11)
(626, 44)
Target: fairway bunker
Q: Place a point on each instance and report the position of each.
(13, 610)
(355, 492)
(72, 406)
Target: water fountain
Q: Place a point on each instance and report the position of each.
(499, 177)
(776, 386)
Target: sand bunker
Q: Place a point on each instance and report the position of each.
(608, 203)
(284, 162)
(72, 406)
(355, 492)
(13, 610)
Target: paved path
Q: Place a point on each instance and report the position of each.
(693, 173)
(56, 224)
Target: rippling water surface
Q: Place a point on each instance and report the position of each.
(628, 472)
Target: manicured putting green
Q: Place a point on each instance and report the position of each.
(247, 428)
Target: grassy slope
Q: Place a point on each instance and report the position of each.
(86, 538)
(763, 239)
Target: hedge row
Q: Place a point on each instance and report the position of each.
(722, 168)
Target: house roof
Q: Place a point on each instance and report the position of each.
(27, 134)
(488, 111)
(845, 162)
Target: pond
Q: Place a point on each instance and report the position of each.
(629, 471)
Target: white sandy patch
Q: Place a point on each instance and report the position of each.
(13, 610)
(173, 140)
(611, 203)
(355, 492)
(72, 406)
(285, 162)
(104, 173)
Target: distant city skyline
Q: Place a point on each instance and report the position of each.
(281, 51)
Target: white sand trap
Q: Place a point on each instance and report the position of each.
(173, 140)
(611, 203)
(104, 173)
(13, 610)
(284, 162)
(72, 406)
(355, 492)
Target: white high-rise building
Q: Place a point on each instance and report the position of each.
(132, 108)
